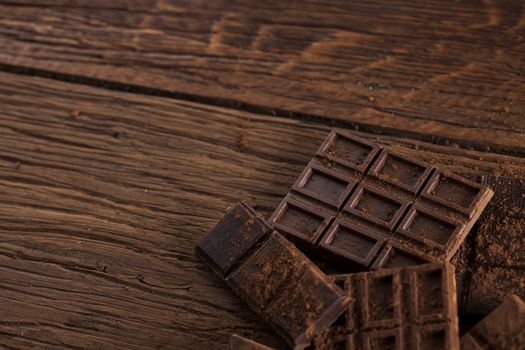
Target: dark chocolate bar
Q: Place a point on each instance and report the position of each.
(502, 329)
(412, 308)
(495, 266)
(241, 343)
(367, 207)
(274, 278)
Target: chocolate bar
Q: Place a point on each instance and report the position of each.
(412, 308)
(367, 207)
(502, 329)
(241, 343)
(272, 276)
(496, 267)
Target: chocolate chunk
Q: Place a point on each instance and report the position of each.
(238, 232)
(402, 308)
(503, 328)
(496, 265)
(274, 278)
(240, 343)
(367, 207)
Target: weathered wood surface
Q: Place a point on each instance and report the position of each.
(444, 71)
(104, 195)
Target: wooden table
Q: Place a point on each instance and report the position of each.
(128, 127)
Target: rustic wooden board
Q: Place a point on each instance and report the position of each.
(442, 71)
(104, 195)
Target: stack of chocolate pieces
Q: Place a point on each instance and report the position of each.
(393, 221)
(274, 278)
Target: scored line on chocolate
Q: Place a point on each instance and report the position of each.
(219, 255)
(413, 308)
(271, 275)
(421, 212)
(256, 234)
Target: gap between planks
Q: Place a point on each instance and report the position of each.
(256, 109)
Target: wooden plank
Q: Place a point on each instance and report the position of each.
(443, 71)
(104, 195)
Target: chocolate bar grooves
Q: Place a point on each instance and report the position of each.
(418, 192)
(390, 210)
(325, 230)
(427, 180)
(365, 207)
(396, 226)
(372, 161)
(260, 243)
(413, 308)
(345, 201)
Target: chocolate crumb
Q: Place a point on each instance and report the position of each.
(244, 142)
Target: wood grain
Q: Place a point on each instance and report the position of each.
(104, 195)
(444, 71)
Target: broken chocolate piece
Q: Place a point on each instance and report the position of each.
(366, 207)
(274, 278)
(237, 232)
(496, 265)
(241, 343)
(502, 329)
(412, 308)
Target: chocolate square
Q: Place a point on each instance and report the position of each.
(400, 171)
(383, 339)
(454, 191)
(236, 233)
(433, 336)
(324, 185)
(352, 242)
(433, 232)
(381, 298)
(430, 302)
(376, 206)
(301, 221)
(348, 150)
